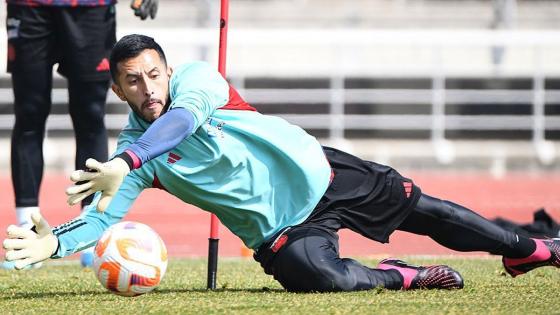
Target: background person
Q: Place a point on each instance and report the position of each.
(78, 35)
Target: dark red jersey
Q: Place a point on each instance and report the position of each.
(62, 3)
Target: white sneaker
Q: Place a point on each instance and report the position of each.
(86, 258)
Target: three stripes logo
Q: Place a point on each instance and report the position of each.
(407, 188)
(173, 158)
(103, 65)
(68, 226)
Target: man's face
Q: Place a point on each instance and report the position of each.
(143, 82)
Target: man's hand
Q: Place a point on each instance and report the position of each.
(143, 8)
(105, 177)
(25, 247)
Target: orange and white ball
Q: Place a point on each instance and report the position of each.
(130, 259)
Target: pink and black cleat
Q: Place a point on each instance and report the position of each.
(424, 277)
(547, 253)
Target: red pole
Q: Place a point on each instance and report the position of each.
(214, 222)
(224, 12)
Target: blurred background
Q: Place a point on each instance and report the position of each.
(412, 83)
(446, 91)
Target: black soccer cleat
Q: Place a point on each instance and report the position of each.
(424, 277)
(547, 253)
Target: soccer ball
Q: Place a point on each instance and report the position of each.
(130, 259)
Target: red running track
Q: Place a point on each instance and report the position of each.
(185, 229)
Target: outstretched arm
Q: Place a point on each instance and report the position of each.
(25, 247)
(196, 90)
(85, 230)
(162, 136)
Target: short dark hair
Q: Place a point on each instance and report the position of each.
(131, 46)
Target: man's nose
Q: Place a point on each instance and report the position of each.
(148, 88)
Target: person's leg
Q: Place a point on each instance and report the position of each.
(87, 109)
(31, 108)
(30, 63)
(85, 38)
(370, 199)
(30, 60)
(309, 261)
(461, 229)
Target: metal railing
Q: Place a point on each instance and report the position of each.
(341, 54)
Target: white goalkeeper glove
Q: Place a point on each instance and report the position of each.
(25, 247)
(105, 177)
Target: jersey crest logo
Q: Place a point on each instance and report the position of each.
(215, 128)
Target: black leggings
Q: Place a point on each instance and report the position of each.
(457, 227)
(310, 260)
(32, 93)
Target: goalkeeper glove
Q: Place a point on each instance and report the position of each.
(143, 8)
(105, 177)
(25, 247)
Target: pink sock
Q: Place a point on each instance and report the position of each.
(407, 273)
(541, 253)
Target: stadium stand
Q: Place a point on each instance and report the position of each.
(423, 84)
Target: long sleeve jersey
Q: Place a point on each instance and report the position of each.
(257, 173)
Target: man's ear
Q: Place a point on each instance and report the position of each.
(169, 72)
(117, 90)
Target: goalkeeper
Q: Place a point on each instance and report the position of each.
(269, 182)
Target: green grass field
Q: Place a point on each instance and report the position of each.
(245, 289)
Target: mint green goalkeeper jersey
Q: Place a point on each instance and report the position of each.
(257, 173)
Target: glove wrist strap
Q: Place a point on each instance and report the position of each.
(130, 158)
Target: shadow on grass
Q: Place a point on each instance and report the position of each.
(39, 295)
(248, 290)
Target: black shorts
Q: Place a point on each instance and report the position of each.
(365, 197)
(79, 39)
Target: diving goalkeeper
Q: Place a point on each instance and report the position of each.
(269, 182)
